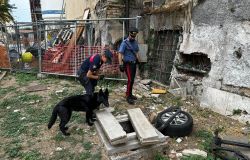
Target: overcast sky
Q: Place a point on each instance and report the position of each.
(22, 11)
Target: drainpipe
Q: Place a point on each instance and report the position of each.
(127, 2)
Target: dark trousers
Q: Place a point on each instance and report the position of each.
(88, 84)
(130, 70)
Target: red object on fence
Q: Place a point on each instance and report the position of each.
(54, 61)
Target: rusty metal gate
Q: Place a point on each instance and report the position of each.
(163, 54)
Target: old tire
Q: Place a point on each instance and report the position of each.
(180, 126)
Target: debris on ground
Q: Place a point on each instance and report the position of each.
(158, 91)
(190, 152)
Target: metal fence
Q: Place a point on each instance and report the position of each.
(58, 47)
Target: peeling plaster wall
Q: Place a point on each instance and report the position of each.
(219, 30)
(75, 9)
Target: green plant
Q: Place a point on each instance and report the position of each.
(96, 156)
(85, 155)
(4, 91)
(12, 126)
(24, 78)
(197, 157)
(237, 111)
(87, 145)
(159, 156)
(31, 155)
(207, 138)
(13, 149)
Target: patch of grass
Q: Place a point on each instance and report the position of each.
(78, 118)
(34, 131)
(25, 78)
(207, 138)
(159, 156)
(38, 116)
(4, 91)
(96, 156)
(64, 154)
(19, 100)
(8, 102)
(85, 155)
(60, 137)
(32, 155)
(13, 149)
(176, 101)
(25, 98)
(87, 145)
(109, 84)
(12, 126)
(196, 157)
(237, 111)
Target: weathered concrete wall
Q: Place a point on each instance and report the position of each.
(222, 31)
(75, 9)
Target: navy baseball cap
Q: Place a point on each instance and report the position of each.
(108, 55)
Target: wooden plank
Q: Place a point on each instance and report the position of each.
(2, 75)
(111, 127)
(146, 133)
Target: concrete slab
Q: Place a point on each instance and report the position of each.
(146, 133)
(132, 144)
(111, 127)
(145, 153)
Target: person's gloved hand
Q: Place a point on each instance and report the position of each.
(121, 67)
(101, 77)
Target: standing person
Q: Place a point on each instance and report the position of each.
(128, 58)
(88, 72)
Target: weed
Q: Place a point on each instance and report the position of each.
(78, 118)
(24, 78)
(96, 156)
(159, 156)
(85, 155)
(25, 98)
(12, 126)
(64, 154)
(207, 138)
(59, 137)
(4, 91)
(38, 116)
(87, 145)
(31, 155)
(197, 157)
(237, 111)
(176, 101)
(13, 149)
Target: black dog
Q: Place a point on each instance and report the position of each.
(85, 103)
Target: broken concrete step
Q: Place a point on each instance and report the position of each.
(132, 144)
(112, 128)
(146, 133)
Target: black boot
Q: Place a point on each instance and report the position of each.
(133, 97)
(130, 100)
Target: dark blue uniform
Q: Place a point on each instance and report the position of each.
(129, 49)
(93, 63)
